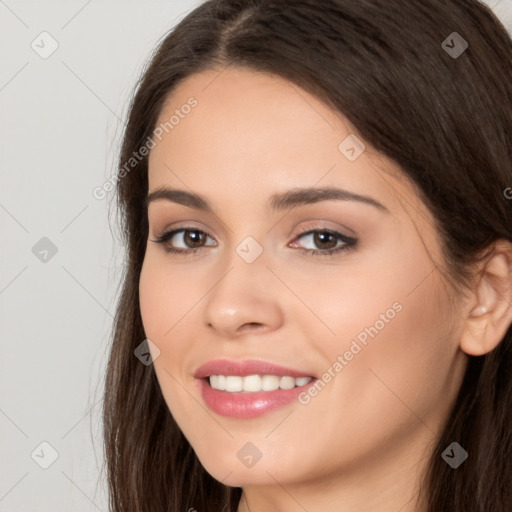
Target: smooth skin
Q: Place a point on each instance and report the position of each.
(363, 441)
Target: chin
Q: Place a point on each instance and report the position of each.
(233, 473)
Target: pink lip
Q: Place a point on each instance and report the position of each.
(246, 405)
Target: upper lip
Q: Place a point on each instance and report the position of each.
(246, 367)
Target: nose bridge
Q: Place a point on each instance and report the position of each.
(242, 294)
(250, 250)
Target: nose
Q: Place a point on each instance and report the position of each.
(246, 299)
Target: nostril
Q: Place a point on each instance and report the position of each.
(251, 325)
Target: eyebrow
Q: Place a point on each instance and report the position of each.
(277, 202)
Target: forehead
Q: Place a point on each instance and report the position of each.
(241, 114)
(252, 132)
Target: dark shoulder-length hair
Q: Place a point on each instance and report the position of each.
(390, 67)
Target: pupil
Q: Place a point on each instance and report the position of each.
(193, 238)
(321, 238)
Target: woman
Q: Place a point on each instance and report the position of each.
(318, 285)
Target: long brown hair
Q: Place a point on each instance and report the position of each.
(445, 119)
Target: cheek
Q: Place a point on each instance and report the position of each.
(361, 297)
(169, 298)
(398, 347)
(164, 304)
(390, 319)
(152, 299)
(166, 295)
(165, 299)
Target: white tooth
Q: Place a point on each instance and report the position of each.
(255, 383)
(302, 381)
(252, 383)
(233, 383)
(270, 382)
(287, 382)
(221, 382)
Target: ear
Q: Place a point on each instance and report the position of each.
(490, 306)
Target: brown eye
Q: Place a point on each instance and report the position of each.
(183, 240)
(194, 238)
(325, 240)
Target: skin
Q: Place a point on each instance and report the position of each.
(363, 441)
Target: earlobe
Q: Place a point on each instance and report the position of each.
(490, 312)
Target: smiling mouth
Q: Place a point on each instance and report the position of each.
(255, 383)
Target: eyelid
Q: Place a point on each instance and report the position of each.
(167, 234)
(322, 227)
(163, 213)
(303, 231)
(348, 242)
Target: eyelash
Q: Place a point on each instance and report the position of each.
(349, 243)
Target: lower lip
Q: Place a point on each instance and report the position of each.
(248, 405)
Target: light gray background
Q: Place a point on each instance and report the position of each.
(61, 122)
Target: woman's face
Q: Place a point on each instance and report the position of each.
(372, 325)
